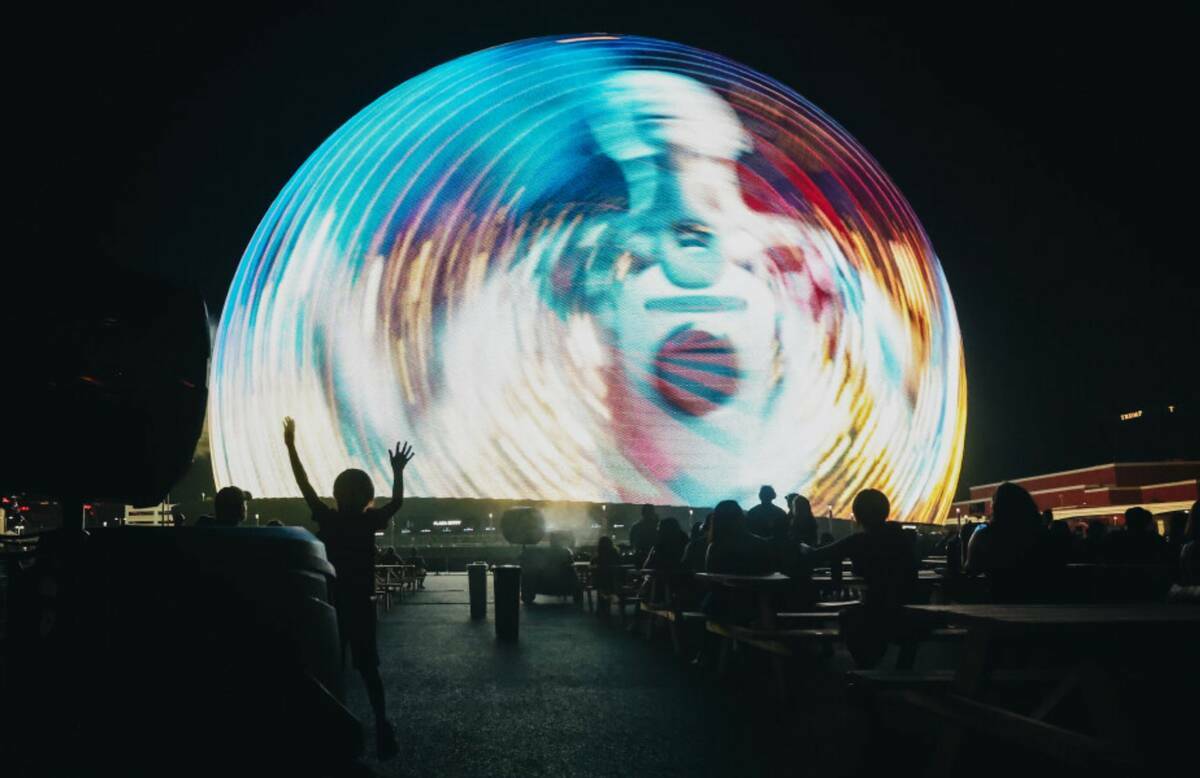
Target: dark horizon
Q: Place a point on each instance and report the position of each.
(1045, 156)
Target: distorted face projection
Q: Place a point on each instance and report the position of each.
(595, 268)
(683, 285)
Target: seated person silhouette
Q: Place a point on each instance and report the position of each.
(802, 525)
(229, 509)
(734, 550)
(418, 562)
(1187, 587)
(606, 574)
(695, 556)
(1013, 550)
(666, 558)
(348, 533)
(390, 557)
(1138, 542)
(695, 553)
(885, 556)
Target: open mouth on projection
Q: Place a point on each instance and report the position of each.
(695, 371)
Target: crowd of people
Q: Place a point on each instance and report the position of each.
(1018, 552)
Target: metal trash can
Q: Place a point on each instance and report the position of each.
(477, 587)
(507, 592)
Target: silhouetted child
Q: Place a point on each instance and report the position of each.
(349, 537)
(885, 556)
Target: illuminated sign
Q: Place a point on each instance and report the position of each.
(597, 268)
(1131, 415)
(447, 523)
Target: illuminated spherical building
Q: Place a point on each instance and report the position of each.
(594, 268)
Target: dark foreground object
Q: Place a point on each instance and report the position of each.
(508, 612)
(148, 651)
(548, 570)
(477, 585)
(111, 357)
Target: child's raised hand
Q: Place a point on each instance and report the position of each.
(401, 456)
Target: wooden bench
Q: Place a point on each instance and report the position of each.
(938, 680)
(1128, 634)
(673, 618)
(1069, 747)
(622, 598)
(774, 641)
(834, 605)
(779, 644)
(908, 648)
(808, 617)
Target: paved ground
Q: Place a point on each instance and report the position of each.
(578, 696)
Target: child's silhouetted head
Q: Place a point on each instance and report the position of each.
(353, 491)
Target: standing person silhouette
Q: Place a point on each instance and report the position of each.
(767, 520)
(348, 533)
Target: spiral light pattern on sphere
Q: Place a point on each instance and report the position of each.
(594, 268)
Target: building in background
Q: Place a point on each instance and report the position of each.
(153, 516)
(1101, 491)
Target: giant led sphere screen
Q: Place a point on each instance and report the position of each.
(595, 268)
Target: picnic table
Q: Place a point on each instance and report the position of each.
(625, 594)
(850, 587)
(934, 561)
(766, 632)
(761, 587)
(1099, 627)
(391, 579)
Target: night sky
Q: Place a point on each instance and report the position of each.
(1050, 159)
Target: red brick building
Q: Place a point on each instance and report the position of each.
(1102, 491)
